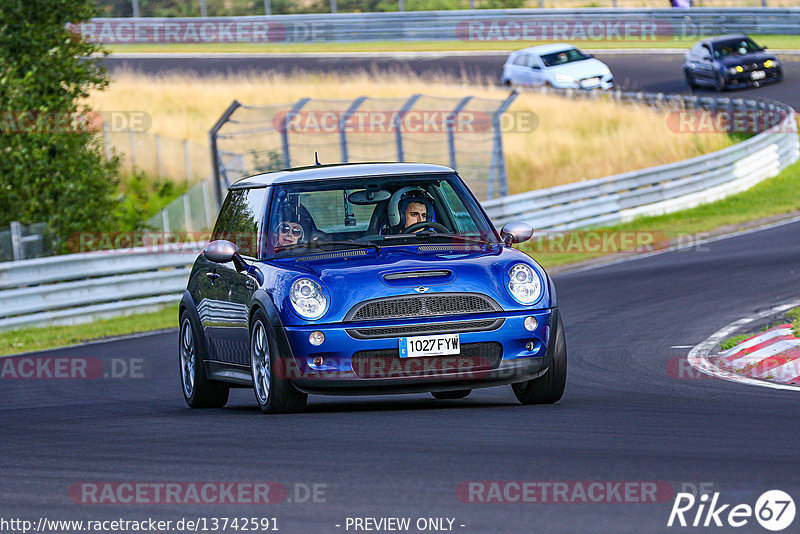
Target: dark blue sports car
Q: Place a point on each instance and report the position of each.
(365, 279)
(728, 61)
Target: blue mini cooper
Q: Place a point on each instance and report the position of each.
(365, 279)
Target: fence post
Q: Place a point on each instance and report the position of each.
(158, 156)
(401, 5)
(267, 7)
(343, 121)
(497, 167)
(333, 6)
(133, 149)
(212, 136)
(398, 126)
(451, 140)
(187, 213)
(107, 141)
(187, 161)
(16, 241)
(164, 222)
(203, 10)
(287, 159)
(135, 5)
(206, 209)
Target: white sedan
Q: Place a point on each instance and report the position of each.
(558, 65)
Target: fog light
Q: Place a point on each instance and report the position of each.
(530, 324)
(316, 338)
(530, 345)
(317, 360)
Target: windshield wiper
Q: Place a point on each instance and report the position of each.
(321, 244)
(462, 238)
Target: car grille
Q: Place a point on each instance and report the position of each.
(421, 306)
(431, 328)
(475, 359)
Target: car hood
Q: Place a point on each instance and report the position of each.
(579, 69)
(357, 278)
(755, 57)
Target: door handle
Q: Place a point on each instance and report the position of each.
(213, 276)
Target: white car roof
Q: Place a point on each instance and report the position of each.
(548, 48)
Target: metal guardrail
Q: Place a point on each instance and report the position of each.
(665, 188)
(77, 288)
(511, 25)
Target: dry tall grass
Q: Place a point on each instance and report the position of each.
(575, 139)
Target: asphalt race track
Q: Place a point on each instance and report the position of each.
(624, 417)
(656, 72)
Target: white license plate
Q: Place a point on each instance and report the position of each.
(441, 345)
(758, 75)
(591, 82)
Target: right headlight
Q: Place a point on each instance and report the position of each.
(308, 299)
(524, 284)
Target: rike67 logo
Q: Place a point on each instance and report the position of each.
(774, 510)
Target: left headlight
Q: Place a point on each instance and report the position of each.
(308, 299)
(524, 284)
(606, 71)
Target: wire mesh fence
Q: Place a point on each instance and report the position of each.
(158, 156)
(25, 241)
(463, 133)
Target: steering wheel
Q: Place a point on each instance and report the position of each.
(425, 224)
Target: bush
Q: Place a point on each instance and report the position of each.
(51, 171)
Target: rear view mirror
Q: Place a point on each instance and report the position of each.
(516, 232)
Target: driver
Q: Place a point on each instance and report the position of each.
(415, 205)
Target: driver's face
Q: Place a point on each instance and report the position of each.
(416, 212)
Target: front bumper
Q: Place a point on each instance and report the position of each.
(592, 82)
(746, 78)
(352, 365)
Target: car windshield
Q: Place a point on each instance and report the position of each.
(736, 47)
(565, 56)
(373, 212)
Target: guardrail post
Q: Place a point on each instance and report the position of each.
(333, 6)
(451, 140)
(398, 126)
(164, 222)
(16, 241)
(215, 162)
(401, 5)
(287, 159)
(203, 10)
(135, 6)
(342, 121)
(267, 7)
(497, 167)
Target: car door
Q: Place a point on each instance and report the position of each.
(237, 283)
(535, 67)
(705, 65)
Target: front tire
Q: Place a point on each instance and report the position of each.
(451, 395)
(198, 390)
(720, 84)
(274, 393)
(548, 388)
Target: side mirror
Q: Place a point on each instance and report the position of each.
(221, 251)
(516, 232)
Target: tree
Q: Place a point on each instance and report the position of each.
(52, 167)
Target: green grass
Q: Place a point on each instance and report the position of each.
(733, 341)
(774, 196)
(794, 315)
(772, 41)
(51, 337)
